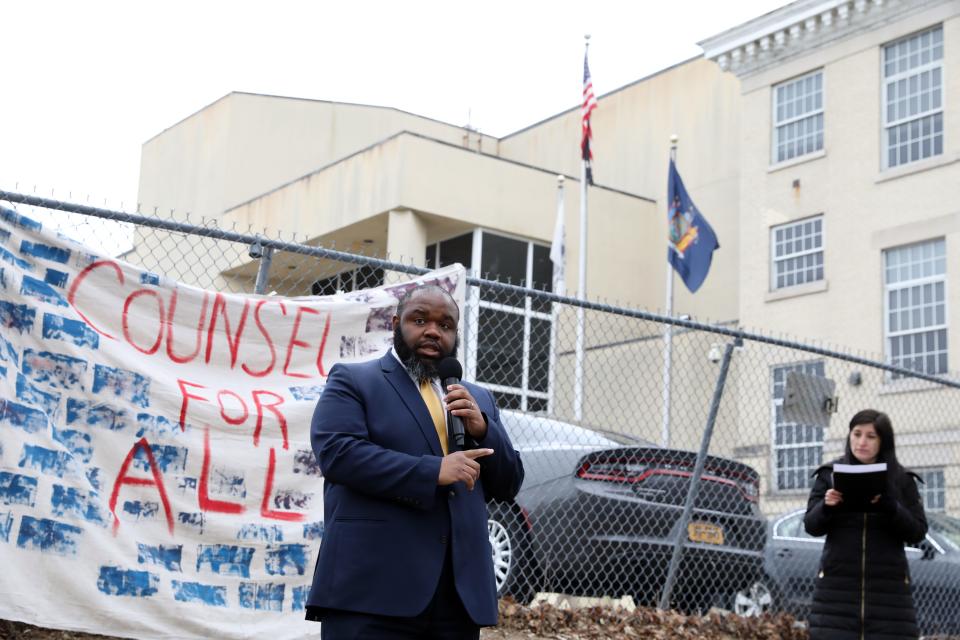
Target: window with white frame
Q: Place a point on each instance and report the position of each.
(512, 332)
(798, 117)
(933, 491)
(913, 97)
(797, 448)
(916, 306)
(796, 251)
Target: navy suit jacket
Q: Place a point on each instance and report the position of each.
(387, 524)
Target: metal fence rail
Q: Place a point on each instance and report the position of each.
(610, 496)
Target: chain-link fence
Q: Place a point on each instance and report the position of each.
(610, 428)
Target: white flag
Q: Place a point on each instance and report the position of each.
(558, 250)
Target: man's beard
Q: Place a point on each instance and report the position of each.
(418, 367)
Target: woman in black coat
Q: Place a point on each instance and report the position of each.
(862, 591)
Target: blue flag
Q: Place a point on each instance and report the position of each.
(692, 240)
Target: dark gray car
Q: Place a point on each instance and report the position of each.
(598, 513)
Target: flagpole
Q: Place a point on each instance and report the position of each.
(668, 330)
(581, 281)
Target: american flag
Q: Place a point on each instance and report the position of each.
(586, 108)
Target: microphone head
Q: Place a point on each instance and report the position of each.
(449, 367)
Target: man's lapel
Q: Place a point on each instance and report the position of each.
(400, 380)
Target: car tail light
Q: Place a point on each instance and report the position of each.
(634, 471)
(612, 471)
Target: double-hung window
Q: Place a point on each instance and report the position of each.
(916, 306)
(797, 448)
(933, 490)
(913, 98)
(798, 117)
(796, 253)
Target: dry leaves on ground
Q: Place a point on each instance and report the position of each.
(605, 623)
(546, 622)
(20, 631)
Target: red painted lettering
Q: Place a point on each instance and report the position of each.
(297, 343)
(186, 394)
(171, 321)
(265, 511)
(203, 496)
(223, 409)
(323, 345)
(273, 409)
(72, 295)
(266, 336)
(233, 341)
(156, 481)
(126, 320)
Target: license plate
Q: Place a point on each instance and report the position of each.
(705, 532)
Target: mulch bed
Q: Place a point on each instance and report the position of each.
(605, 623)
(545, 621)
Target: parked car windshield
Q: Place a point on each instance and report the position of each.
(947, 527)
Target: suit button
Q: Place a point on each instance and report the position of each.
(443, 539)
(453, 494)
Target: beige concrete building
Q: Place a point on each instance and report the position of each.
(849, 184)
(398, 185)
(819, 140)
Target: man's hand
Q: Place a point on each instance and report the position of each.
(461, 466)
(460, 403)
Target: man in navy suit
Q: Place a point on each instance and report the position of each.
(405, 552)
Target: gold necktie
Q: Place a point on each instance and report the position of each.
(436, 412)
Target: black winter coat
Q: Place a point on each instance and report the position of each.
(863, 586)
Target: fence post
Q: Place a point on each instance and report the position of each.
(265, 255)
(694, 488)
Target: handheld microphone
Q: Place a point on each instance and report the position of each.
(450, 372)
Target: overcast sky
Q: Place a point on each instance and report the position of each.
(85, 84)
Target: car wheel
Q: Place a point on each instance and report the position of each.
(514, 571)
(754, 600)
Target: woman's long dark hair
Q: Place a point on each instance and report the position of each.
(888, 449)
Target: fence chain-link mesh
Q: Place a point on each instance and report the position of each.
(609, 430)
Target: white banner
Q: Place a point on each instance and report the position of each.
(156, 476)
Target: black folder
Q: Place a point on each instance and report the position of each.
(859, 483)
